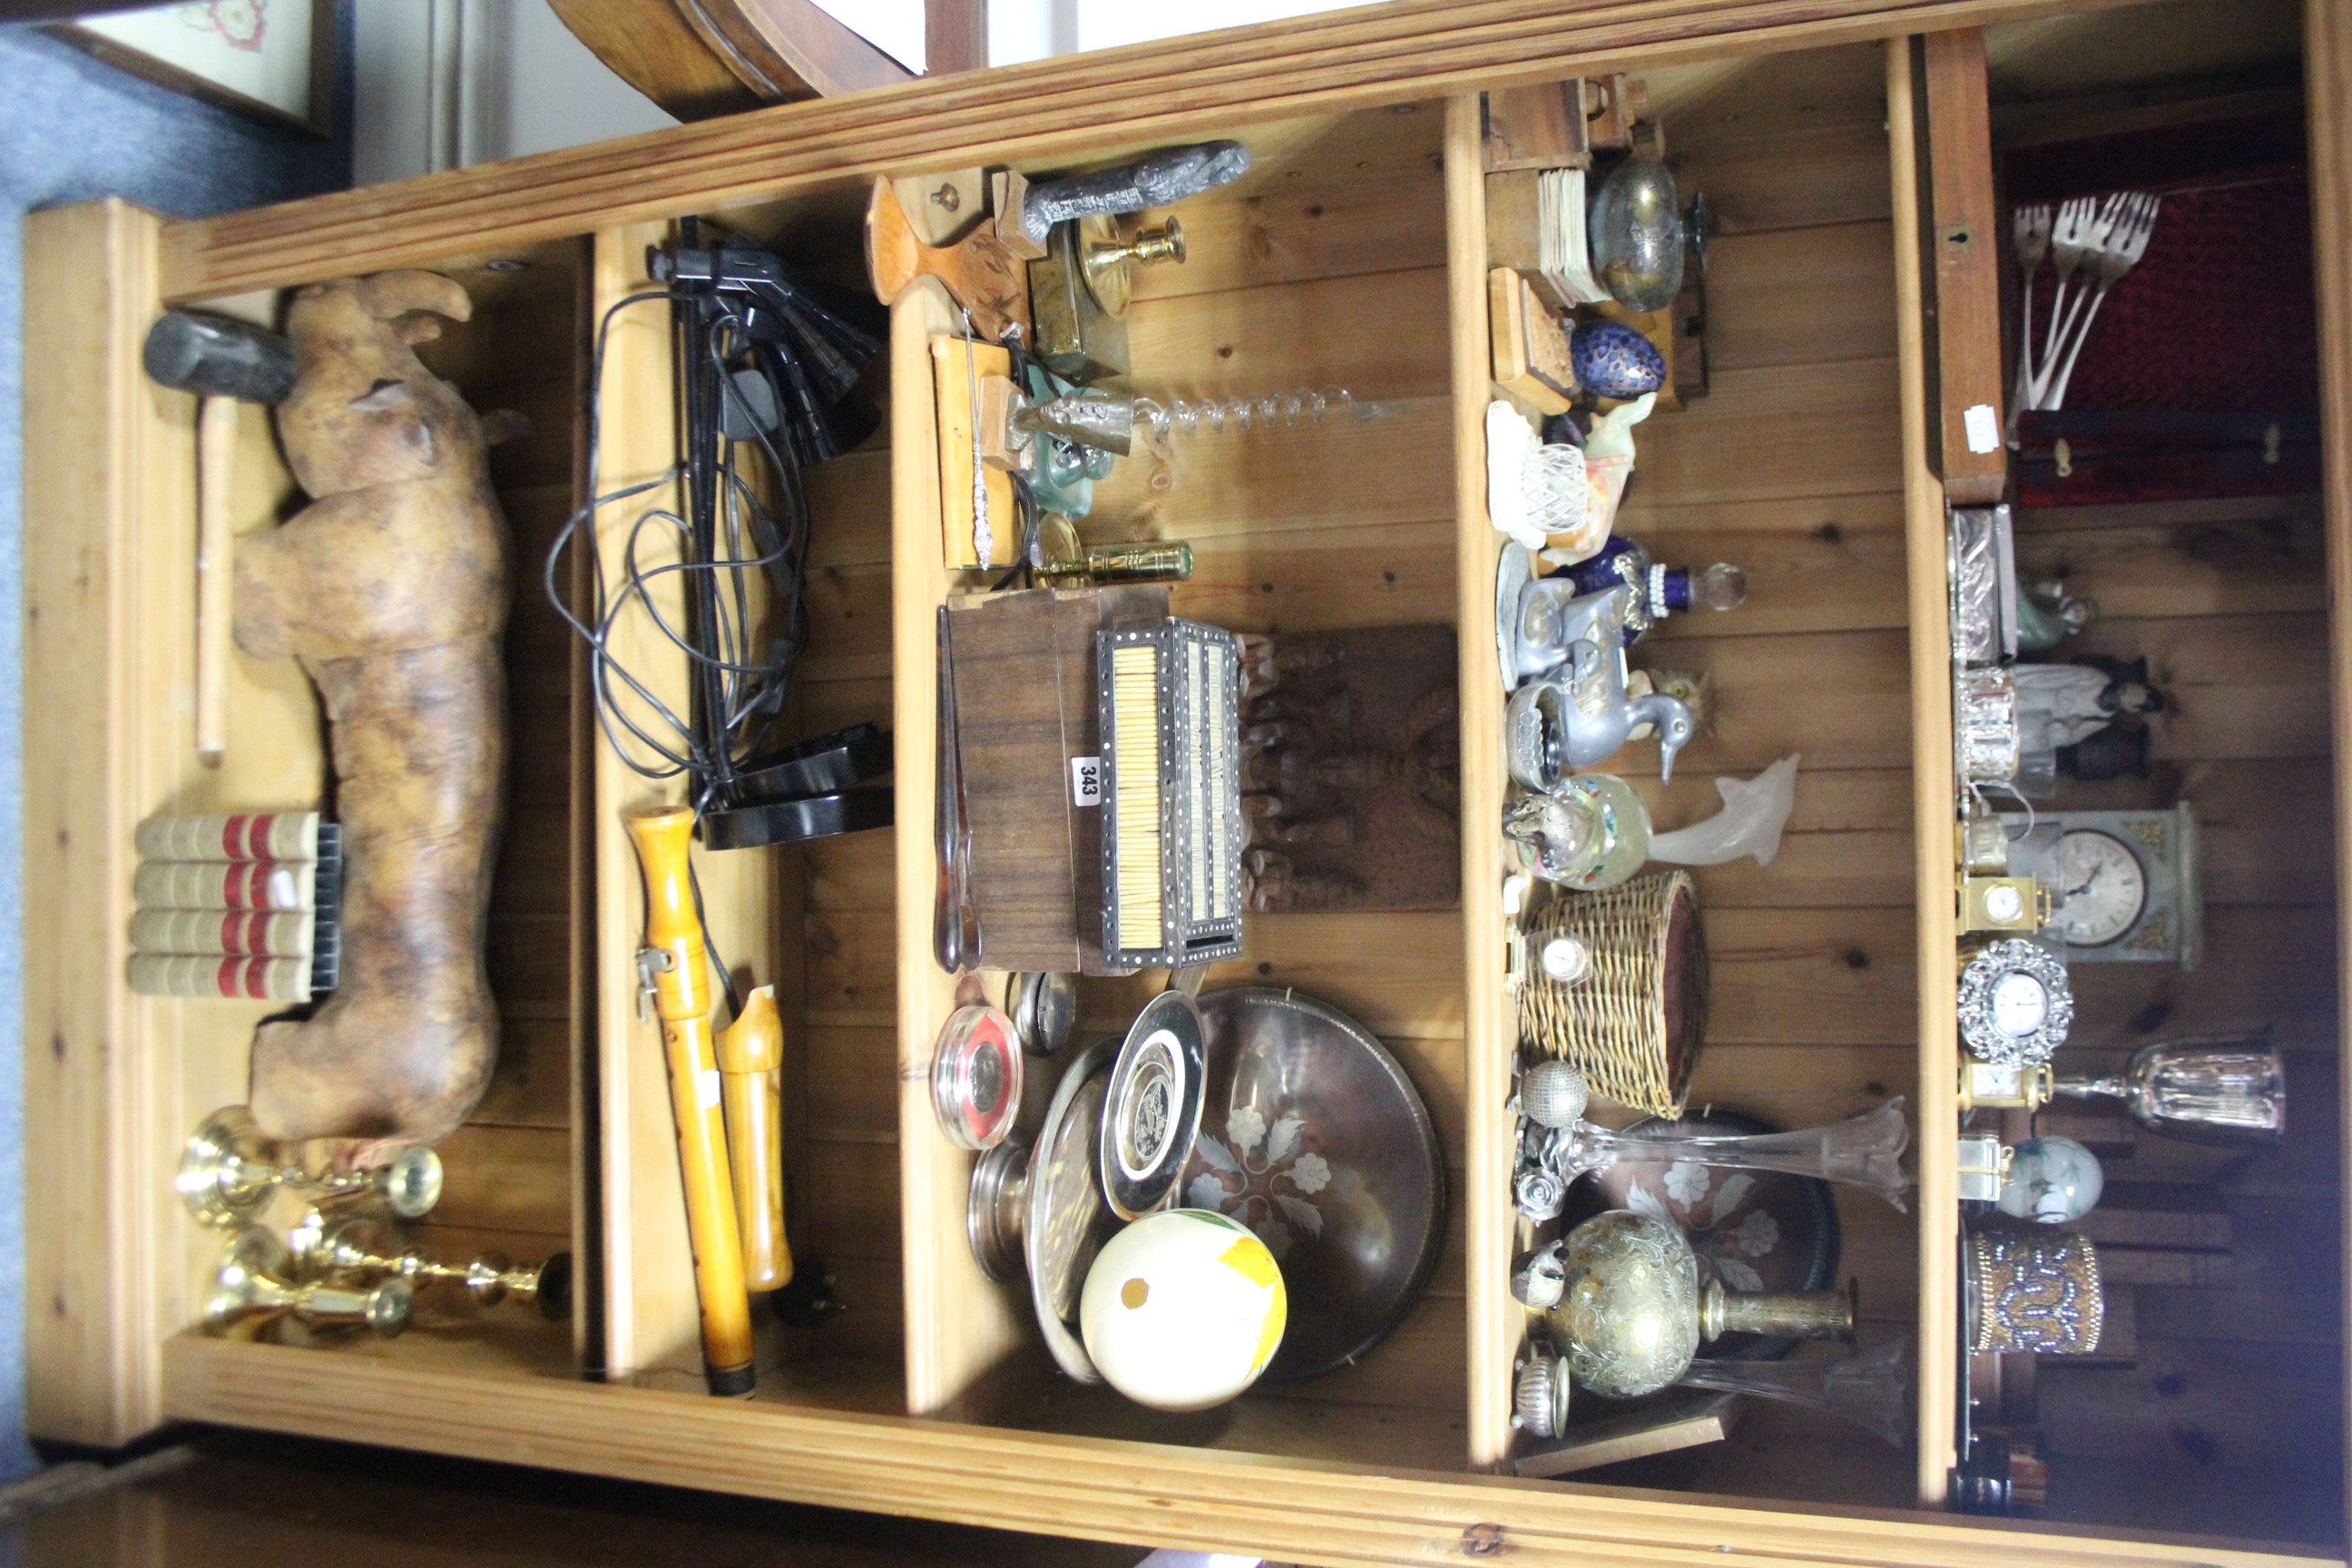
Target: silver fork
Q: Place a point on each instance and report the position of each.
(2031, 228)
(2070, 241)
(2122, 250)
(2092, 233)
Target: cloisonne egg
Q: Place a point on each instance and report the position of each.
(1183, 1309)
(1613, 359)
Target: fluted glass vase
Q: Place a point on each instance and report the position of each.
(1864, 1151)
(1872, 1390)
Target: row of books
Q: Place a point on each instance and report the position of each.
(242, 906)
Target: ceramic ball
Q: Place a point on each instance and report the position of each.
(1183, 1309)
(1613, 359)
(2052, 1180)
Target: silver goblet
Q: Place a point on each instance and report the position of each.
(2200, 1091)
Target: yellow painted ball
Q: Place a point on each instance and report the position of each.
(1183, 1309)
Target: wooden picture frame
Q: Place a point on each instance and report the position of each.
(268, 60)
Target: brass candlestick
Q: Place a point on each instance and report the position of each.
(1107, 256)
(325, 1249)
(228, 1175)
(258, 1282)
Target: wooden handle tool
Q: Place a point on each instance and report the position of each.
(674, 970)
(215, 573)
(980, 272)
(751, 1085)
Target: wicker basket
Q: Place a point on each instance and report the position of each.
(1634, 1025)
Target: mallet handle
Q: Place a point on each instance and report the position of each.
(215, 573)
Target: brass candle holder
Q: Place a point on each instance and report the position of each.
(258, 1282)
(1108, 254)
(322, 1248)
(229, 1173)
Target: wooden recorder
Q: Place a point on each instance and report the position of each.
(674, 969)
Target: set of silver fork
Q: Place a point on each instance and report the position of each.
(2096, 238)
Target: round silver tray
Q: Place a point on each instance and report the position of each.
(1067, 1220)
(1316, 1139)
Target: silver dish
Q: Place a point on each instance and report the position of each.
(1153, 1105)
(1067, 1220)
(1316, 1140)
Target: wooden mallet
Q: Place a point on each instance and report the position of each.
(225, 361)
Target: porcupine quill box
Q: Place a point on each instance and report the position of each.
(1026, 722)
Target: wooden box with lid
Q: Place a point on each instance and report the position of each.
(1854, 307)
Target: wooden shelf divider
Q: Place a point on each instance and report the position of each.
(1936, 1115)
(1489, 1031)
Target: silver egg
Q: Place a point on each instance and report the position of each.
(1552, 1093)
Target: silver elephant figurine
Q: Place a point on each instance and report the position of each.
(1576, 713)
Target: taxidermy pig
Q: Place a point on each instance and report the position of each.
(390, 588)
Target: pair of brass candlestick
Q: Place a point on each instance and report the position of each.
(230, 1172)
(337, 1274)
(337, 1267)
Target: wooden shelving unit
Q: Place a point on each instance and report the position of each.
(1356, 254)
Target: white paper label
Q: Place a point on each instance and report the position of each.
(1983, 428)
(706, 1084)
(1086, 781)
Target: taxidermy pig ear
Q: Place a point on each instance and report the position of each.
(398, 397)
(503, 425)
(384, 394)
(388, 296)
